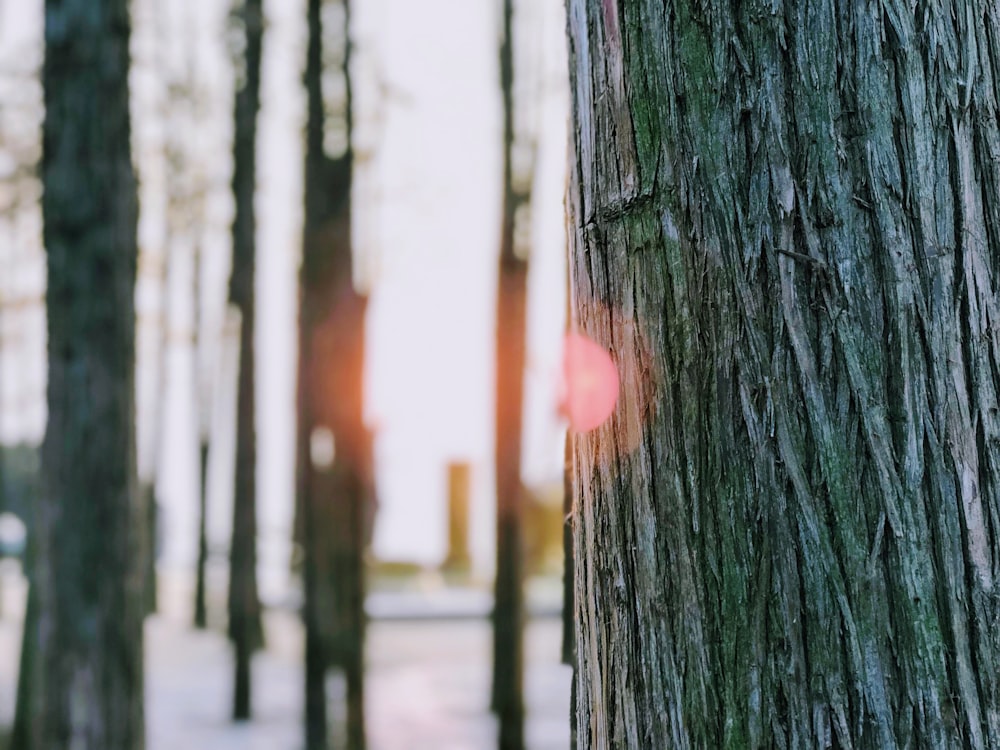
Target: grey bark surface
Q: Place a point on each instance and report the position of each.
(245, 628)
(785, 226)
(88, 526)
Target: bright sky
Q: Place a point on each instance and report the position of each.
(427, 226)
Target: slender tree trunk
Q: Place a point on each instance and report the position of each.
(316, 722)
(22, 484)
(149, 504)
(203, 410)
(508, 612)
(148, 474)
(200, 594)
(786, 227)
(569, 604)
(335, 466)
(26, 705)
(245, 628)
(89, 554)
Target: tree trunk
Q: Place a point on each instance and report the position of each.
(200, 593)
(335, 465)
(785, 225)
(245, 628)
(568, 654)
(507, 698)
(569, 595)
(204, 429)
(88, 534)
(26, 705)
(149, 597)
(20, 482)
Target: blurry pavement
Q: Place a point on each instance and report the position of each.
(427, 689)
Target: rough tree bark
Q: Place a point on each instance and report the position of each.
(335, 472)
(89, 553)
(786, 225)
(245, 628)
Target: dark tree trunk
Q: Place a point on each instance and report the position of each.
(22, 487)
(569, 577)
(508, 610)
(88, 533)
(26, 706)
(245, 628)
(204, 409)
(786, 226)
(568, 621)
(200, 594)
(149, 597)
(335, 471)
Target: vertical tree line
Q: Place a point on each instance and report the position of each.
(507, 698)
(335, 474)
(245, 629)
(88, 528)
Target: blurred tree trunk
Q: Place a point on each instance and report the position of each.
(785, 222)
(200, 593)
(569, 597)
(508, 611)
(21, 732)
(21, 482)
(335, 465)
(204, 409)
(148, 468)
(183, 111)
(89, 548)
(245, 628)
(147, 483)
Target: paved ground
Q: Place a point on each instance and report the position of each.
(428, 682)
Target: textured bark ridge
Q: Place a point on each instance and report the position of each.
(786, 226)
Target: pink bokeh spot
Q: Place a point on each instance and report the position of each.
(590, 383)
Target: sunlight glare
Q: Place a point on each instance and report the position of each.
(590, 383)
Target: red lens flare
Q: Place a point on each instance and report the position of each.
(590, 383)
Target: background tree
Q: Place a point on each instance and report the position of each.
(568, 640)
(21, 487)
(88, 525)
(508, 612)
(335, 464)
(188, 190)
(785, 224)
(203, 391)
(245, 628)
